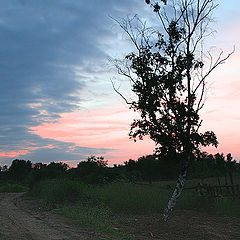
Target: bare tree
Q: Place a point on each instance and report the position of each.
(168, 73)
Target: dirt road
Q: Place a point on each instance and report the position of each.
(19, 221)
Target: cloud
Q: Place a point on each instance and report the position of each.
(42, 45)
(62, 152)
(104, 129)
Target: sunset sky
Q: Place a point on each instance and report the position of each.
(56, 97)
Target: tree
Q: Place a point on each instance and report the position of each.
(148, 167)
(93, 170)
(230, 167)
(168, 74)
(19, 169)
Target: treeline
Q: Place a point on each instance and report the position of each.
(95, 170)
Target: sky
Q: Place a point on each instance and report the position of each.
(56, 98)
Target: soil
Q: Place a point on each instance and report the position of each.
(23, 218)
(26, 218)
(183, 225)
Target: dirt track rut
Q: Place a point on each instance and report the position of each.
(17, 222)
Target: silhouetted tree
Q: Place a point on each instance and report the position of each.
(19, 169)
(220, 168)
(39, 165)
(93, 170)
(168, 75)
(230, 167)
(148, 166)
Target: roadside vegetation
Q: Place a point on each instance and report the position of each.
(98, 196)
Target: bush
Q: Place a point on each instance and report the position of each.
(59, 190)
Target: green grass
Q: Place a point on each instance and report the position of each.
(98, 206)
(59, 191)
(13, 188)
(131, 198)
(77, 201)
(95, 215)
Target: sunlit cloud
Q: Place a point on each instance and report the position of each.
(105, 128)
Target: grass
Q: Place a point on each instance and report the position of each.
(97, 216)
(13, 188)
(99, 206)
(76, 200)
(59, 191)
(131, 198)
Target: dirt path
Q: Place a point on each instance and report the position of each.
(21, 222)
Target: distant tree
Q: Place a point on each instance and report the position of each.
(131, 165)
(93, 170)
(220, 166)
(39, 165)
(98, 161)
(54, 170)
(58, 166)
(4, 168)
(19, 169)
(148, 166)
(168, 76)
(230, 167)
(133, 172)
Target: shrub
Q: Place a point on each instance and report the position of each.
(59, 190)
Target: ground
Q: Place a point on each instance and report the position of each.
(24, 218)
(184, 225)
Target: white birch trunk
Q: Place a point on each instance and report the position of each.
(175, 195)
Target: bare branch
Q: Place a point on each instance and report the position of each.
(218, 62)
(116, 90)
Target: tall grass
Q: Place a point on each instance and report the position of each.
(131, 198)
(13, 188)
(79, 201)
(59, 191)
(100, 206)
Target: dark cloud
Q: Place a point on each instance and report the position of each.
(41, 44)
(62, 152)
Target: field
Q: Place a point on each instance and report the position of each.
(133, 211)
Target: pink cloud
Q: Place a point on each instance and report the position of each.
(13, 154)
(24, 151)
(104, 128)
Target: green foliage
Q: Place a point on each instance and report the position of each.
(41, 171)
(104, 200)
(150, 168)
(59, 191)
(13, 188)
(146, 168)
(94, 215)
(167, 108)
(76, 200)
(131, 198)
(19, 169)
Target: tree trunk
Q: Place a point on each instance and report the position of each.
(176, 194)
